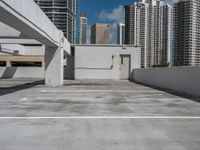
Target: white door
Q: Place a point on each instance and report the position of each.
(125, 67)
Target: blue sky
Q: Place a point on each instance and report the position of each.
(94, 7)
(105, 11)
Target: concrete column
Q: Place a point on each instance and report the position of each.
(54, 66)
(8, 63)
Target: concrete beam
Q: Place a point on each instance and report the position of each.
(6, 31)
(18, 41)
(22, 15)
(16, 14)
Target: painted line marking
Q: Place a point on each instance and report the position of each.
(93, 98)
(105, 117)
(99, 91)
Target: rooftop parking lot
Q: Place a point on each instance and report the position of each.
(96, 115)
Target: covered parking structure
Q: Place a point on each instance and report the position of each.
(22, 21)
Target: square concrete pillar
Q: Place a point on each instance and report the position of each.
(8, 63)
(54, 66)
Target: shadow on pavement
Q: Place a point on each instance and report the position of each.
(16, 88)
(9, 72)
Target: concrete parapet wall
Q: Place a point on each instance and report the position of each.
(21, 72)
(179, 79)
(97, 74)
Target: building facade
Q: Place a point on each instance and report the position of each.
(121, 33)
(77, 27)
(186, 46)
(105, 61)
(100, 33)
(136, 21)
(83, 29)
(16, 55)
(149, 25)
(64, 14)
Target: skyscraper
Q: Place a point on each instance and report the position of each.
(186, 46)
(77, 36)
(83, 29)
(121, 33)
(64, 14)
(149, 25)
(100, 33)
(136, 20)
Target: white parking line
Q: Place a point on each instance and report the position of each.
(105, 117)
(99, 91)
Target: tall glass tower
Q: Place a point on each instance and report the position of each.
(77, 38)
(83, 29)
(64, 14)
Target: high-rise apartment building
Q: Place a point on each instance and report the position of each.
(186, 45)
(121, 33)
(77, 20)
(64, 14)
(149, 25)
(136, 20)
(100, 33)
(83, 29)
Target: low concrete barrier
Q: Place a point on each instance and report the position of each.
(179, 79)
(21, 72)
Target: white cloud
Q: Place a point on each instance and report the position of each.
(171, 1)
(117, 14)
(113, 33)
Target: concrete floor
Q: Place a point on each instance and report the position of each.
(117, 108)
